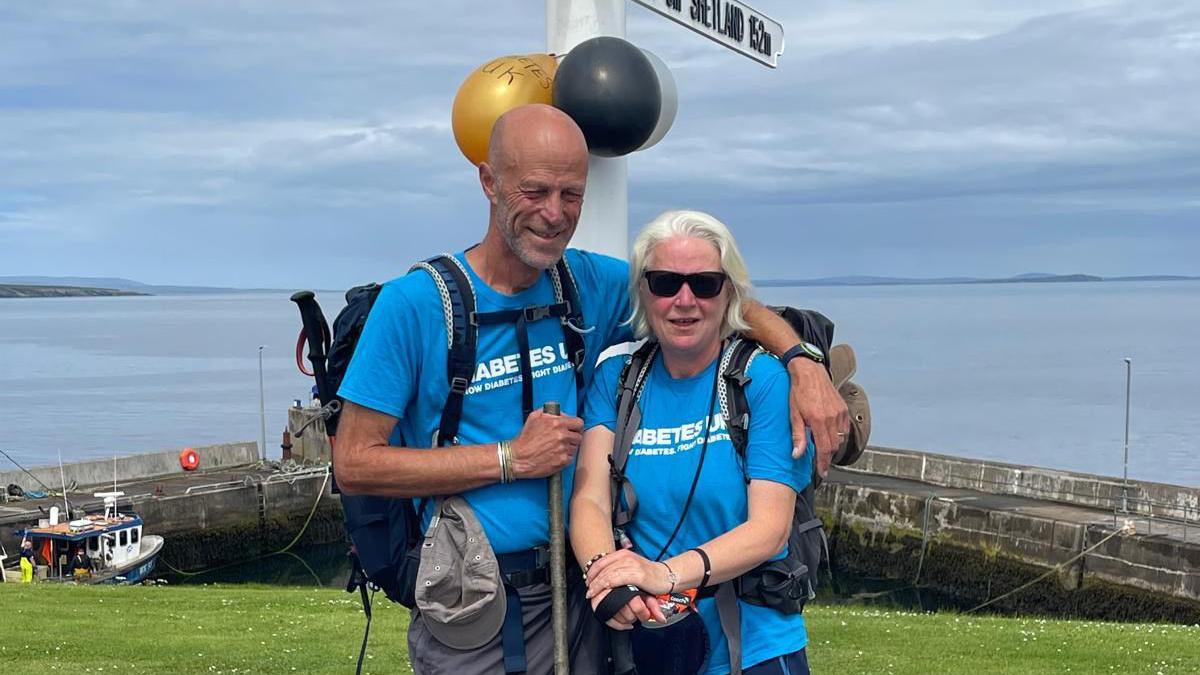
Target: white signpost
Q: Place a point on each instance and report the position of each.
(604, 224)
(732, 24)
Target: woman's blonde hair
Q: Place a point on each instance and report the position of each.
(690, 225)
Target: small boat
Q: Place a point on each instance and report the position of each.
(115, 548)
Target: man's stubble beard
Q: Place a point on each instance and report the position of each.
(508, 230)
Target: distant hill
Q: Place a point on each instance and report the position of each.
(45, 291)
(862, 281)
(117, 283)
(1027, 278)
(1038, 279)
(1154, 277)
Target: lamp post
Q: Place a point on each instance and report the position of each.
(1125, 475)
(262, 407)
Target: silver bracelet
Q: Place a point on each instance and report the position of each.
(671, 576)
(504, 448)
(500, 458)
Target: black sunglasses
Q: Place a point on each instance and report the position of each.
(666, 284)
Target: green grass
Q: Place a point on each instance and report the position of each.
(256, 629)
(195, 629)
(863, 640)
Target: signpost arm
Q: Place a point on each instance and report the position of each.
(604, 224)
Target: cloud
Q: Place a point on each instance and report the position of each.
(1050, 91)
(245, 132)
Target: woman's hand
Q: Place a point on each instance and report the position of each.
(642, 607)
(626, 568)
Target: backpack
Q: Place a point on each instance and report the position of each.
(385, 532)
(786, 584)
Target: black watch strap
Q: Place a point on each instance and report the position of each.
(805, 350)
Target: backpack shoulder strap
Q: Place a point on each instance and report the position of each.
(730, 616)
(567, 291)
(629, 418)
(462, 332)
(731, 390)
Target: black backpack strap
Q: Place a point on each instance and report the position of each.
(731, 389)
(566, 290)
(358, 580)
(462, 332)
(521, 318)
(730, 615)
(629, 418)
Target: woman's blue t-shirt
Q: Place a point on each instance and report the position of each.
(662, 464)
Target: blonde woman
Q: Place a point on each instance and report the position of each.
(698, 523)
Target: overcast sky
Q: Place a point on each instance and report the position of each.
(308, 144)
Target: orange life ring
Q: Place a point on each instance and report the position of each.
(189, 459)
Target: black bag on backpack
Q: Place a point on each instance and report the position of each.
(347, 329)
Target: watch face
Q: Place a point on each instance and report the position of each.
(813, 351)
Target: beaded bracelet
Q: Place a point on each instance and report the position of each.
(588, 567)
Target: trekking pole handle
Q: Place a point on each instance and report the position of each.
(315, 333)
(558, 563)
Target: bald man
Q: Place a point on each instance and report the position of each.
(396, 386)
(534, 179)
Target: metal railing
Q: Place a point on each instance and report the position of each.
(246, 481)
(1167, 525)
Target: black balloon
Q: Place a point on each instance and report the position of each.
(609, 88)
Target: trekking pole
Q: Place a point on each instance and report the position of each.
(558, 564)
(316, 333)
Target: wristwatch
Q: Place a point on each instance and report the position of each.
(805, 349)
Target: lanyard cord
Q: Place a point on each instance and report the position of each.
(708, 415)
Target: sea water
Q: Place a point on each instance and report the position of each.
(1028, 373)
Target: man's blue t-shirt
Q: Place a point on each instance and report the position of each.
(399, 368)
(662, 464)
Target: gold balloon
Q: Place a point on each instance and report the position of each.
(493, 89)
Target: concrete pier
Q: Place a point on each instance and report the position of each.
(1137, 498)
(976, 530)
